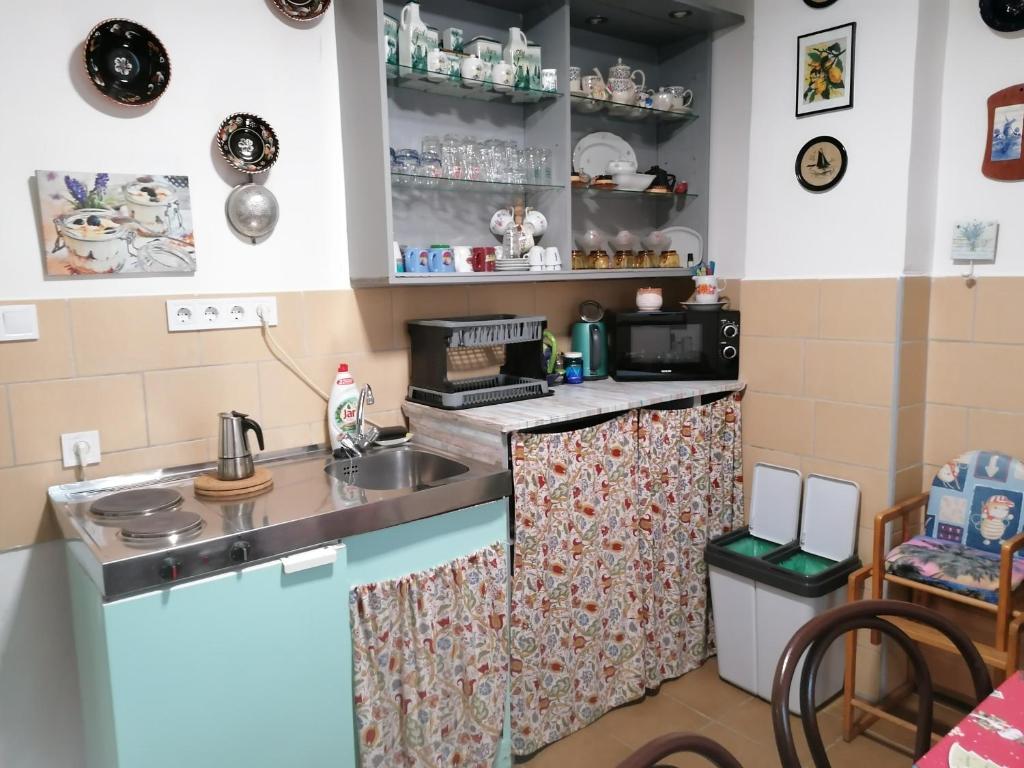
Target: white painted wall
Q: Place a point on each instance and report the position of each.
(226, 57)
(979, 62)
(40, 720)
(859, 227)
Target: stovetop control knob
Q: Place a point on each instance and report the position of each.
(729, 352)
(170, 568)
(240, 552)
(730, 330)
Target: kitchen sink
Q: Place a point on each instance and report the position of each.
(395, 469)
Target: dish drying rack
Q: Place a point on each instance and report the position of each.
(520, 377)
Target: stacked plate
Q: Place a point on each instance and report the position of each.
(512, 265)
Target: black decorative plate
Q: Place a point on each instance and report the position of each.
(1003, 15)
(821, 163)
(126, 62)
(819, 3)
(247, 142)
(303, 10)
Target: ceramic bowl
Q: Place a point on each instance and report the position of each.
(648, 299)
(633, 182)
(622, 166)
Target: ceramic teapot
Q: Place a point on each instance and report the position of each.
(662, 178)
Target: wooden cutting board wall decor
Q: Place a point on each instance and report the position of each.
(1003, 158)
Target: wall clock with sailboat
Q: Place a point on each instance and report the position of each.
(821, 163)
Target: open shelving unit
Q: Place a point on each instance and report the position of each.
(396, 108)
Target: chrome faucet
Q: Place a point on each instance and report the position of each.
(365, 434)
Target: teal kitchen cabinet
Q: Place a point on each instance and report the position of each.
(251, 667)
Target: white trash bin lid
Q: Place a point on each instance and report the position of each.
(829, 520)
(775, 503)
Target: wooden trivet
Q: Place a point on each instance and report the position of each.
(212, 487)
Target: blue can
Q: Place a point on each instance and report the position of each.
(573, 367)
(416, 259)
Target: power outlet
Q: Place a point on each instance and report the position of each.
(90, 450)
(218, 314)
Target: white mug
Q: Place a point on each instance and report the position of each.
(708, 288)
(502, 76)
(472, 71)
(552, 257)
(437, 65)
(463, 258)
(536, 256)
(681, 97)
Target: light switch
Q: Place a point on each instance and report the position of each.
(18, 322)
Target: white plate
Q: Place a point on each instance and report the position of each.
(704, 307)
(595, 150)
(684, 241)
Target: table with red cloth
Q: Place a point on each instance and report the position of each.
(992, 736)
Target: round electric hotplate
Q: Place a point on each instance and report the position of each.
(143, 501)
(153, 529)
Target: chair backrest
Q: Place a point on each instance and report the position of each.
(977, 500)
(672, 743)
(817, 635)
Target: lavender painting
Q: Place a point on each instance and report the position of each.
(115, 224)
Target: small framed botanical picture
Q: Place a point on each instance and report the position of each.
(975, 241)
(825, 70)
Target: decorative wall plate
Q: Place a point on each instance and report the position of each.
(126, 62)
(821, 163)
(248, 143)
(1003, 15)
(819, 3)
(303, 10)
(1004, 159)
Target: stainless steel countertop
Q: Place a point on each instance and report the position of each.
(306, 508)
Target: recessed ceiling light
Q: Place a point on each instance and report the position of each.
(595, 20)
(680, 14)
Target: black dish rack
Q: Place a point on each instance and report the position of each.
(521, 377)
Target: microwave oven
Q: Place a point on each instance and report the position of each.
(695, 345)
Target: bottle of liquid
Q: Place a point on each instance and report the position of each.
(341, 408)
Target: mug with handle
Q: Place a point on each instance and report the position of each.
(708, 289)
(682, 97)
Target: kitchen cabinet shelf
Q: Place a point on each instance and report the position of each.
(643, 193)
(564, 275)
(584, 105)
(462, 88)
(400, 181)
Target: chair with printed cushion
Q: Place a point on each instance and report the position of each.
(967, 552)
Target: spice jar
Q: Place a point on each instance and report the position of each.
(621, 259)
(599, 259)
(579, 260)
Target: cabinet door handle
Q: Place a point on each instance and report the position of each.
(313, 558)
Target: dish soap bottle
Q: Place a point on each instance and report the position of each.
(341, 408)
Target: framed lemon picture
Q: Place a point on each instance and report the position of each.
(825, 70)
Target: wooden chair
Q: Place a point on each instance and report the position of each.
(818, 634)
(956, 544)
(673, 743)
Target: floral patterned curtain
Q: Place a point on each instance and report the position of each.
(577, 643)
(430, 658)
(690, 490)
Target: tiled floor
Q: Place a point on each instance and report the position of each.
(702, 702)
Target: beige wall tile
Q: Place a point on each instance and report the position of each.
(854, 434)
(42, 411)
(25, 515)
(993, 431)
(183, 404)
(913, 372)
(560, 302)
(997, 310)
(976, 375)
(916, 300)
(285, 400)
(244, 345)
(6, 435)
(908, 482)
(49, 357)
(951, 312)
(339, 322)
(849, 371)
(910, 436)
(873, 483)
(772, 365)
(388, 374)
(424, 303)
(509, 298)
(864, 310)
(124, 335)
(173, 455)
(927, 475)
(294, 436)
(945, 433)
(780, 307)
(779, 423)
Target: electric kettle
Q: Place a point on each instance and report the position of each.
(234, 459)
(590, 337)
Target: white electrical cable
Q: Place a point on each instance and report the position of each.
(81, 451)
(285, 359)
